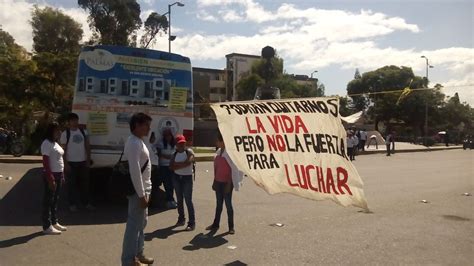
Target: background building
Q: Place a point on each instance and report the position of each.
(209, 84)
(238, 65)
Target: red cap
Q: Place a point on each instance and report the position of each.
(180, 139)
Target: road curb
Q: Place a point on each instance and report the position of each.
(210, 158)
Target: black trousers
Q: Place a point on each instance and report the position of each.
(78, 184)
(350, 152)
(50, 201)
(223, 196)
(388, 149)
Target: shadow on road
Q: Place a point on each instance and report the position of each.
(19, 240)
(209, 240)
(163, 233)
(235, 263)
(22, 205)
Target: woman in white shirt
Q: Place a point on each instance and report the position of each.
(53, 177)
(166, 149)
(182, 165)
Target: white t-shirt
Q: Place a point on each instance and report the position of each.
(153, 152)
(363, 135)
(136, 153)
(55, 153)
(168, 151)
(75, 150)
(182, 157)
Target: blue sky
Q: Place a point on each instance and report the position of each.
(333, 37)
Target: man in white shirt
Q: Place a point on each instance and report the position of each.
(139, 164)
(75, 142)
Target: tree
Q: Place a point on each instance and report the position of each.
(17, 99)
(154, 24)
(55, 32)
(115, 22)
(357, 74)
(56, 41)
(380, 89)
(457, 115)
(248, 85)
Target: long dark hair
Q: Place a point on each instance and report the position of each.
(165, 143)
(52, 127)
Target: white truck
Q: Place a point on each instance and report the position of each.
(115, 82)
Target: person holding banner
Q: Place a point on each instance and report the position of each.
(226, 178)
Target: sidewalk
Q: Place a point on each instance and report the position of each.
(400, 147)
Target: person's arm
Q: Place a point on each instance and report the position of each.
(186, 163)
(88, 148)
(47, 168)
(133, 156)
(62, 142)
(172, 162)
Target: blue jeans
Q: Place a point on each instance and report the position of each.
(133, 239)
(183, 185)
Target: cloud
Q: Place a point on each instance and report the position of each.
(17, 20)
(203, 15)
(231, 16)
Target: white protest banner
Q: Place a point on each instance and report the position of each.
(295, 146)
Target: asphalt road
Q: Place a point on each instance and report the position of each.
(400, 230)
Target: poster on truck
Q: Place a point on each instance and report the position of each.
(115, 82)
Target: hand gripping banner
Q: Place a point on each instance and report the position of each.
(295, 146)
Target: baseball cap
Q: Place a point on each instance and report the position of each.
(180, 139)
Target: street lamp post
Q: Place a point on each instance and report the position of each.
(315, 84)
(170, 38)
(428, 66)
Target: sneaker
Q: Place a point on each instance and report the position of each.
(145, 260)
(180, 223)
(90, 207)
(212, 227)
(190, 228)
(231, 231)
(51, 231)
(73, 208)
(59, 227)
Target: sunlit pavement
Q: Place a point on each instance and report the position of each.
(401, 229)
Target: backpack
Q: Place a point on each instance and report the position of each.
(188, 151)
(68, 135)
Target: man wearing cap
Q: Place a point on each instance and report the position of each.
(182, 165)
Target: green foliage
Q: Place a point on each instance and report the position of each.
(248, 85)
(378, 92)
(17, 99)
(115, 22)
(33, 86)
(154, 24)
(56, 38)
(54, 32)
(259, 68)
